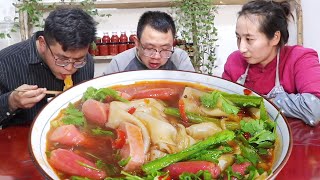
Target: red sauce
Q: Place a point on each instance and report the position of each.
(114, 44)
(102, 146)
(131, 40)
(123, 42)
(104, 48)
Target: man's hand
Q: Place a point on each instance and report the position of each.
(25, 96)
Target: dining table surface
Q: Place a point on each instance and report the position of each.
(17, 164)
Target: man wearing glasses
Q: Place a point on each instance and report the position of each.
(42, 62)
(154, 47)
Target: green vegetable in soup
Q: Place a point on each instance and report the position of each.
(72, 115)
(230, 103)
(259, 133)
(243, 100)
(98, 131)
(165, 161)
(217, 100)
(211, 155)
(263, 112)
(250, 153)
(194, 118)
(79, 178)
(101, 94)
(205, 175)
(124, 162)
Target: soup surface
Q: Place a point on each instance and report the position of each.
(162, 130)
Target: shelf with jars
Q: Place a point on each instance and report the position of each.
(26, 27)
(103, 49)
(105, 56)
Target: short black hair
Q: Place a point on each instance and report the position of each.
(274, 16)
(158, 20)
(72, 28)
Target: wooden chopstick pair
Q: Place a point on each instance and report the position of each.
(47, 92)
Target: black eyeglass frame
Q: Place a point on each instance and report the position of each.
(154, 51)
(64, 63)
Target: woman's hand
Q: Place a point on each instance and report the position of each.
(25, 96)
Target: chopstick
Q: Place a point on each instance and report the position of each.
(47, 92)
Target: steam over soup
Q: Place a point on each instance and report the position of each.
(162, 130)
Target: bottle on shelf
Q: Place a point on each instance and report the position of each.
(93, 49)
(104, 47)
(113, 48)
(96, 46)
(123, 46)
(131, 39)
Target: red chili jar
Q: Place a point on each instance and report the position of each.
(131, 40)
(113, 48)
(93, 49)
(96, 49)
(123, 46)
(104, 47)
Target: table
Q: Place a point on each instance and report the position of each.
(16, 163)
(305, 156)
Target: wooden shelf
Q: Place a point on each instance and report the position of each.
(126, 4)
(131, 4)
(102, 59)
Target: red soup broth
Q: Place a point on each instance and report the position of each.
(100, 147)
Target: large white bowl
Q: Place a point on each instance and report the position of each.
(41, 124)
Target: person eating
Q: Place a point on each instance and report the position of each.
(31, 67)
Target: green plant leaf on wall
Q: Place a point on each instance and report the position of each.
(35, 10)
(195, 22)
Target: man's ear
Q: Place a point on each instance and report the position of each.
(42, 45)
(136, 41)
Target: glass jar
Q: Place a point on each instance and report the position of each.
(113, 48)
(123, 42)
(104, 47)
(94, 49)
(97, 46)
(131, 39)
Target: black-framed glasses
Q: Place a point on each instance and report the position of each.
(151, 52)
(65, 62)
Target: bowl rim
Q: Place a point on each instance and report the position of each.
(271, 176)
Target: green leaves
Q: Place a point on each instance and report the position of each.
(252, 126)
(101, 94)
(73, 116)
(124, 162)
(195, 21)
(34, 10)
(259, 132)
(205, 175)
(217, 100)
(250, 154)
(98, 131)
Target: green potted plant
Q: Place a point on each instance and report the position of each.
(31, 13)
(195, 22)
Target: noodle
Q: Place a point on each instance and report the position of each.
(67, 82)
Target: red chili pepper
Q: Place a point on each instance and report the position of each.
(120, 141)
(182, 111)
(247, 135)
(164, 177)
(131, 110)
(247, 92)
